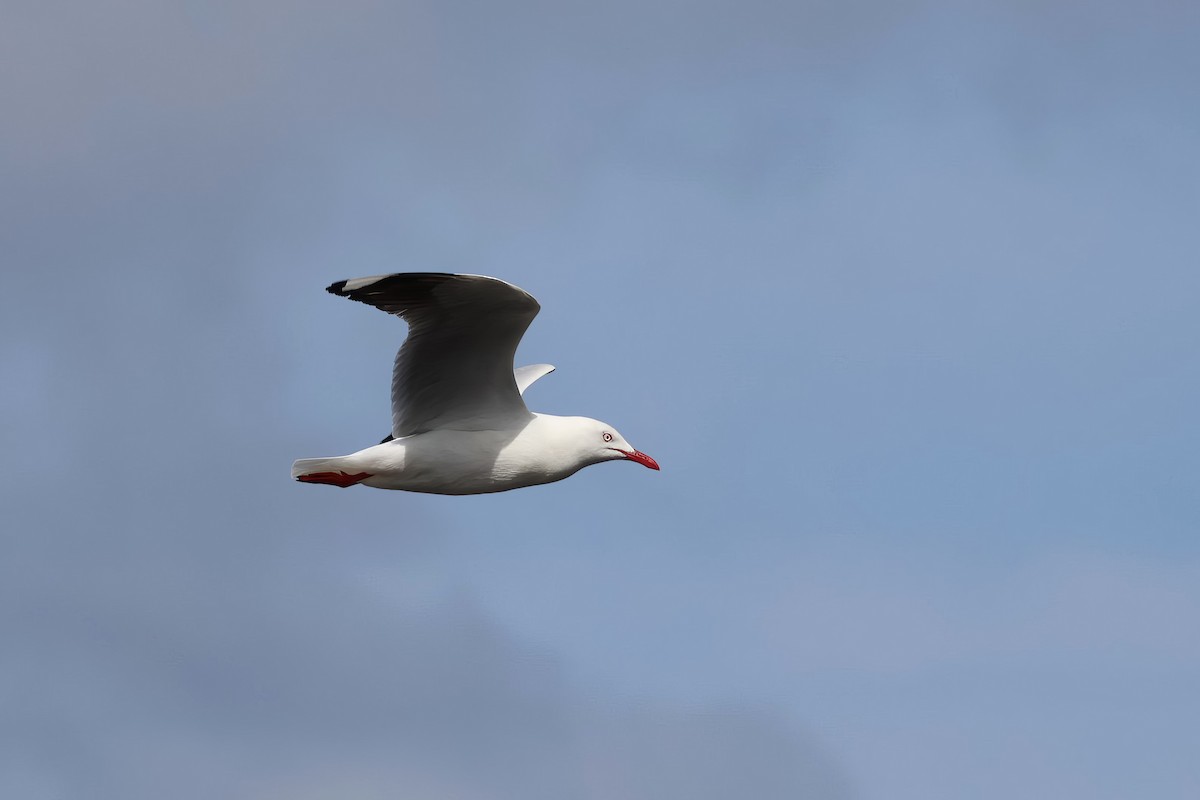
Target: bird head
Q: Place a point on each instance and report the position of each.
(609, 445)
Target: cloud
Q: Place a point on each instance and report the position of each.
(253, 646)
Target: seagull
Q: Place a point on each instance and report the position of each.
(459, 421)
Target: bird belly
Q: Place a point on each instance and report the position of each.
(453, 462)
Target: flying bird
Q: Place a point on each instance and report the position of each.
(459, 422)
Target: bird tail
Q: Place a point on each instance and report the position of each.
(326, 470)
(303, 466)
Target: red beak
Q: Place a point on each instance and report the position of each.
(639, 457)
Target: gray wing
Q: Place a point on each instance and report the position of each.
(455, 369)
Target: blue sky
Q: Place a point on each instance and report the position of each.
(900, 295)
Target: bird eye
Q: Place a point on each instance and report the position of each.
(607, 436)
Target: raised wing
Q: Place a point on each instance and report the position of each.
(455, 369)
(525, 376)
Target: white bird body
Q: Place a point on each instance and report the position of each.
(446, 461)
(459, 423)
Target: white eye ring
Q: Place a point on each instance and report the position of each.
(607, 436)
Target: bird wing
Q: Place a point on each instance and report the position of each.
(455, 369)
(525, 376)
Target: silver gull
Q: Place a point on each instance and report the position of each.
(459, 422)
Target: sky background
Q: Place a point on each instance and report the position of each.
(901, 295)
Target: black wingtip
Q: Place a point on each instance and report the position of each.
(402, 292)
